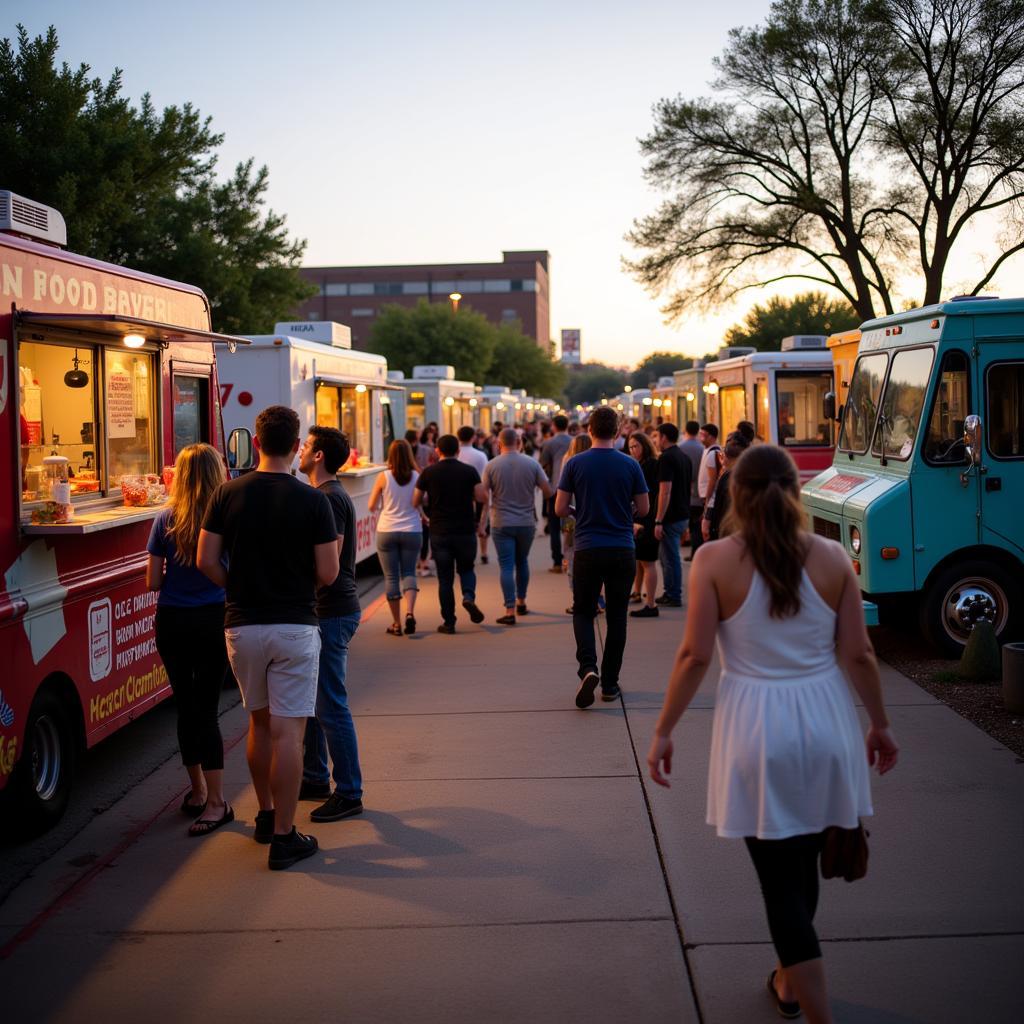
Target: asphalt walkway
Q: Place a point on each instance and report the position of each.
(514, 865)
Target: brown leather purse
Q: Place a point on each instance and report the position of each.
(844, 852)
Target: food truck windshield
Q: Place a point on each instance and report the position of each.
(95, 405)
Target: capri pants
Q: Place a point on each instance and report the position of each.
(398, 552)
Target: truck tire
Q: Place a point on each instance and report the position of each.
(40, 785)
(963, 594)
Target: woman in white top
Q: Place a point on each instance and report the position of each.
(399, 533)
(787, 758)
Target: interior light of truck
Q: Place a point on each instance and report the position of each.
(713, 388)
(855, 540)
(473, 403)
(134, 340)
(449, 401)
(648, 400)
(690, 396)
(890, 553)
(360, 388)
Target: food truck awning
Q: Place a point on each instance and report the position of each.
(348, 382)
(113, 323)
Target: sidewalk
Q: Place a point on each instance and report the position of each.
(512, 865)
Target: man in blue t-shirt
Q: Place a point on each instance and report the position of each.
(609, 491)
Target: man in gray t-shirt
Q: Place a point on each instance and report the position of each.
(508, 485)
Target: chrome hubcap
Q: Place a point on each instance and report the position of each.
(970, 602)
(46, 758)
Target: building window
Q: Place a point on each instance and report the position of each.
(509, 314)
(498, 286)
(361, 288)
(387, 288)
(335, 289)
(367, 311)
(415, 288)
(529, 285)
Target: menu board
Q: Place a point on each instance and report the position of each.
(120, 403)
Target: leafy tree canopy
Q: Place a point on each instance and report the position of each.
(432, 333)
(139, 188)
(590, 382)
(848, 143)
(658, 364)
(519, 362)
(810, 313)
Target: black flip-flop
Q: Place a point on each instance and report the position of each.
(790, 1011)
(191, 810)
(204, 828)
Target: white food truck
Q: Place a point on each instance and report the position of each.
(433, 395)
(311, 367)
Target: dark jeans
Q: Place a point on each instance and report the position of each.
(696, 537)
(333, 729)
(788, 872)
(190, 642)
(454, 551)
(594, 568)
(671, 562)
(513, 544)
(555, 526)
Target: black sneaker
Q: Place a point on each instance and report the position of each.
(264, 832)
(314, 790)
(668, 602)
(613, 693)
(290, 849)
(644, 613)
(521, 609)
(336, 807)
(506, 620)
(475, 614)
(446, 627)
(585, 694)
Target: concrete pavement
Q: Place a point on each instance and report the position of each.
(513, 865)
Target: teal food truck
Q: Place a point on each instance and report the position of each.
(926, 491)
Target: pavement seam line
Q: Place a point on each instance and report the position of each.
(909, 937)
(661, 854)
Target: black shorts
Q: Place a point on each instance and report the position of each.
(647, 545)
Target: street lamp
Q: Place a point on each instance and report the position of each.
(455, 298)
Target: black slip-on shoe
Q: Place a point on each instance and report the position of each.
(521, 609)
(446, 627)
(585, 694)
(314, 790)
(613, 693)
(644, 613)
(475, 615)
(336, 807)
(290, 849)
(506, 620)
(790, 1011)
(264, 832)
(668, 602)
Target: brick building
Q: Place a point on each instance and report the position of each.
(514, 289)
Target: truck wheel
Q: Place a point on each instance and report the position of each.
(41, 782)
(963, 595)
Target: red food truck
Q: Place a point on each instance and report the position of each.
(105, 374)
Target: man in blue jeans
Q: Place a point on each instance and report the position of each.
(675, 475)
(509, 484)
(337, 607)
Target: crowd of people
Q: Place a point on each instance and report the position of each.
(258, 573)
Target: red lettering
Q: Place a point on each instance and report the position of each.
(225, 393)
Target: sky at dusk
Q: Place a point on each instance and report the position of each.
(404, 132)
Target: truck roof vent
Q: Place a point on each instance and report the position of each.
(732, 351)
(21, 216)
(972, 298)
(795, 342)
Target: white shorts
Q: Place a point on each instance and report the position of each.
(276, 666)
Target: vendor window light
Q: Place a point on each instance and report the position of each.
(134, 340)
(360, 388)
(449, 401)
(473, 403)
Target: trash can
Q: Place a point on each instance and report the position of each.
(1013, 678)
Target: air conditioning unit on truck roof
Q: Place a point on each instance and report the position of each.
(21, 216)
(797, 342)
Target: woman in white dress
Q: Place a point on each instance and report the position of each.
(787, 757)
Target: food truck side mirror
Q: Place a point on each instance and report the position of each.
(828, 406)
(240, 449)
(972, 439)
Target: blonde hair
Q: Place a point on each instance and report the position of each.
(580, 443)
(198, 472)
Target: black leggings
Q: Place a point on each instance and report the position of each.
(788, 872)
(191, 644)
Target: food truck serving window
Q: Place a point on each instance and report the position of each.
(191, 411)
(732, 403)
(347, 409)
(73, 397)
(1006, 410)
(799, 398)
(862, 403)
(902, 403)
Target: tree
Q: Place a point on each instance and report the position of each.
(432, 333)
(592, 381)
(658, 364)
(139, 188)
(849, 140)
(518, 362)
(810, 313)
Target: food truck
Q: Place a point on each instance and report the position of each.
(105, 374)
(690, 395)
(495, 404)
(843, 347)
(311, 367)
(782, 393)
(433, 395)
(927, 485)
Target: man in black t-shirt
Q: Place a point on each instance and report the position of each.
(324, 452)
(281, 541)
(675, 475)
(445, 490)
